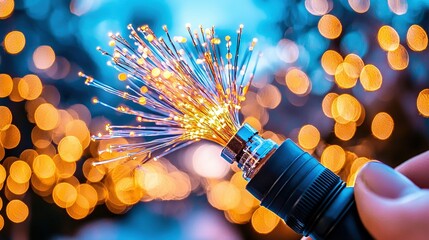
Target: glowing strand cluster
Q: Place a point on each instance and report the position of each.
(187, 91)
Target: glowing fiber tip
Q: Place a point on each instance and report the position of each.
(182, 90)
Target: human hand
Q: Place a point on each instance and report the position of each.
(395, 204)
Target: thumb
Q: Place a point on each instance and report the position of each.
(390, 205)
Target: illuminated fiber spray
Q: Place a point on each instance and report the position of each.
(187, 91)
(193, 91)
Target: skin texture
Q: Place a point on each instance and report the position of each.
(394, 203)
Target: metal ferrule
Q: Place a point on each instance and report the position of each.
(249, 150)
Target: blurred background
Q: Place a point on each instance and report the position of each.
(346, 79)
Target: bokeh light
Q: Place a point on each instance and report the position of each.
(388, 38)
(398, 59)
(10, 137)
(17, 211)
(46, 116)
(417, 38)
(6, 118)
(6, 8)
(206, 165)
(70, 149)
(371, 78)
(20, 172)
(382, 125)
(330, 61)
(30, 87)
(423, 102)
(360, 6)
(6, 85)
(264, 221)
(64, 194)
(14, 42)
(333, 157)
(43, 166)
(43, 57)
(297, 81)
(330, 26)
(308, 136)
(345, 131)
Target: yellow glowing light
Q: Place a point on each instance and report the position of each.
(346, 108)
(79, 129)
(64, 194)
(46, 116)
(345, 131)
(127, 191)
(1, 222)
(330, 61)
(398, 59)
(417, 38)
(41, 138)
(353, 65)
(356, 166)
(44, 166)
(330, 26)
(264, 221)
(79, 209)
(297, 81)
(224, 196)
(64, 169)
(43, 57)
(156, 72)
(2, 152)
(2, 174)
(142, 100)
(10, 137)
(16, 188)
(342, 79)
(143, 89)
(388, 38)
(358, 163)
(423, 102)
(70, 149)
(308, 136)
(333, 157)
(254, 122)
(6, 118)
(14, 42)
(269, 96)
(371, 78)
(327, 104)
(6, 85)
(20, 172)
(49, 150)
(14, 95)
(30, 87)
(92, 173)
(237, 217)
(17, 211)
(382, 126)
(6, 8)
(360, 6)
(89, 192)
(122, 76)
